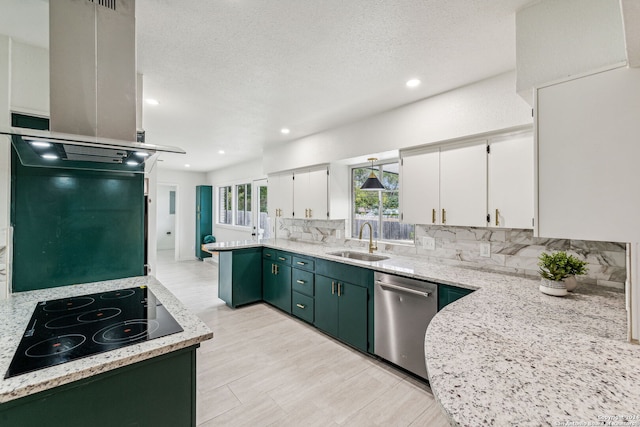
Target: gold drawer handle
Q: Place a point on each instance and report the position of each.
(444, 216)
(333, 288)
(282, 259)
(301, 263)
(267, 255)
(300, 306)
(433, 216)
(497, 217)
(302, 282)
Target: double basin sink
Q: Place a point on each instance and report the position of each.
(360, 256)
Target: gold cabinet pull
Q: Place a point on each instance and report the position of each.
(497, 217)
(267, 255)
(339, 289)
(273, 271)
(433, 216)
(302, 306)
(281, 258)
(444, 216)
(333, 287)
(310, 213)
(276, 269)
(301, 263)
(302, 282)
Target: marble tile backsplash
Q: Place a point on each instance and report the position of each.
(516, 252)
(512, 251)
(312, 230)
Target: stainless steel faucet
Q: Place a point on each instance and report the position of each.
(371, 245)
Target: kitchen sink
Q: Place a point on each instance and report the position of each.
(360, 256)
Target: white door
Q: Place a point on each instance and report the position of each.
(510, 188)
(463, 185)
(261, 223)
(420, 188)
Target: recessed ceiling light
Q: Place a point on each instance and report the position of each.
(221, 152)
(40, 144)
(132, 163)
(152, 101)
(141, 154)
(285, 131)
(187, 165)
(413, 83)
(50, 156)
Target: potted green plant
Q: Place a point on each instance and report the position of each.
(558, 271)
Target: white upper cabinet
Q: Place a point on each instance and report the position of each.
(510, 181)
(589, 157)
(420, 187)
(310, 190)
(463, 184)
(280, 196)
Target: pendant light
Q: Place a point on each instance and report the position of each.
(372, 183)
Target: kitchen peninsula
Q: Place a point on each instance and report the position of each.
(144, 383)
(508, 354)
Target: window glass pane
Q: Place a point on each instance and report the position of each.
(172, 202)
(224, 205)
(243, 206)
(366, 206)
(379, 208)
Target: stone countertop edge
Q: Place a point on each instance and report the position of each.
(16, 311)
(508, 354)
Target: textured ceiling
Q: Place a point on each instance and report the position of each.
(229, 74)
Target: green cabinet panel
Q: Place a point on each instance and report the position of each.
(326, 305)
(276, 284)
(156, 392)
(352, 315)
(303, 263)
(302, 306)
(350, 273)
(341, 310)
(269, 253)
(204, 218)
(302, 281)
(448, 294)
(283, 257)
(240, 276)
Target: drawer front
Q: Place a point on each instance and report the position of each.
(304, 263)
(302, 281)
(283, 257)
(302, 306)
(268, 253)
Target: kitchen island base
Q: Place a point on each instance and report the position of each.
(158, 391)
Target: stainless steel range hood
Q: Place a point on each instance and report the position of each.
(92, 54)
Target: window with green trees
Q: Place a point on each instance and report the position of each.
(225, 206)
(243, 208)
(379, 208)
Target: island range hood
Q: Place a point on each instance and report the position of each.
(92, 60)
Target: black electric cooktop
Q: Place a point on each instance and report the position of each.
(67, 329)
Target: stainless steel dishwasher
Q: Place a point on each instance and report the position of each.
(403, 309)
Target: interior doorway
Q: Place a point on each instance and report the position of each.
(261, 227)
(166, 217)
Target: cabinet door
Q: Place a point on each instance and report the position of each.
(352, 315)
(510, 179)
(280, 195)
(463, 185)
(317, 194)
(276, 287)
(204, 222)
(326, 305)
(269, 289)
(420, 188)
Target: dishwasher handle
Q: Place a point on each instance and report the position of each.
(403, 289)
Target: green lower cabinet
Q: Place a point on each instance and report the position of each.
(276, 284)
(302, 306)
(341, 311)
(448, 294)
(156, 392)
(240, 276)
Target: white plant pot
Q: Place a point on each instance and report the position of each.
(553, 287)
(571, 283)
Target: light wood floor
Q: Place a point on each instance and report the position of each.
(265, 368)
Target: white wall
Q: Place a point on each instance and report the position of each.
(558, 39)
(238, 174)
(485, 106)
(166, 221)
(5, 166)
(185, 183)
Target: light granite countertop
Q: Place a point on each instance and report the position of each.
(16, 311)
(508, 355)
